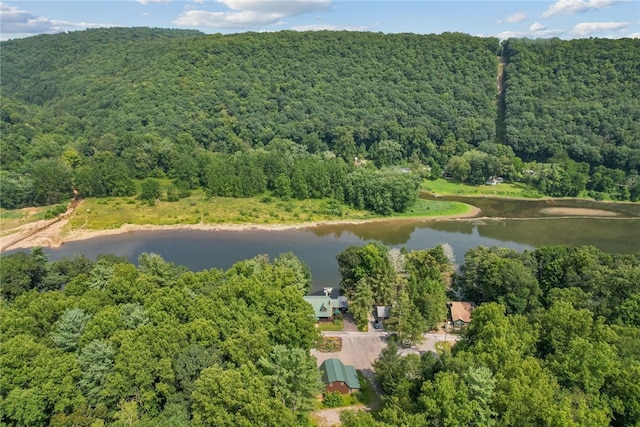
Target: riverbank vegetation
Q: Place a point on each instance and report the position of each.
(224, 114)
(99, 214)
(12, 219)
(453, 187)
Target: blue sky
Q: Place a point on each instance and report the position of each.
(560, 18)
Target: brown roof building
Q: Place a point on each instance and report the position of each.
(460, 312)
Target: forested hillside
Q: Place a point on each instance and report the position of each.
(575, 103)
(578, 96)
(237, 91)
(96, 109)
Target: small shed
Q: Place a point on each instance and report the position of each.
(382, 312)
(339, 377)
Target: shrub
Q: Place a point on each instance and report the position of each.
(150, 190)
(332, 399)
(55, 211)
(330, 345)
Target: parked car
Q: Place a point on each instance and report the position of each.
(406, 343)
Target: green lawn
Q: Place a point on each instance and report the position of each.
(335, 326)
(423, 208)
(113, 212)
(452, 187)
(108, 213)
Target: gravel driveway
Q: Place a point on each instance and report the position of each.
(361, 349)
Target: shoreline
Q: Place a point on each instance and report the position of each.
(50, 233)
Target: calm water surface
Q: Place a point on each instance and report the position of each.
(318, 246)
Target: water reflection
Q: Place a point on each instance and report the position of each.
(607, 234)
(318, 246)
(391, 233)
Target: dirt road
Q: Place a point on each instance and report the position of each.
(40, 233)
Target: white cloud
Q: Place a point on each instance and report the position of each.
(570, 7)
(536, 30)
(634, 36)
(536, 26)
(321, 27)
(516, 18)
(250, 13)
(585, 29)
(511, 35)
(152, 1)
(17, 21)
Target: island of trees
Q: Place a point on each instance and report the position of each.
(289, 113)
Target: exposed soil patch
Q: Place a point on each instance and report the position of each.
(39, 233)
(577, 212)
(331, 417)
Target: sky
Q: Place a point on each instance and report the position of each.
(566, 19)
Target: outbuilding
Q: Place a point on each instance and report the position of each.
(339, 377)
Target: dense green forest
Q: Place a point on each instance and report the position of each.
(97, 109)
(575, 103)
(553, 341)
(94, 343)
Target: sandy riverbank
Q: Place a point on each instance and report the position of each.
(51, 233)
(577, 212)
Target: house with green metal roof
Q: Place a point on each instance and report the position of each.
(339, 377)
(324, 308)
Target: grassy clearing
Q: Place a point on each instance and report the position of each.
(425, 208)
(111, 213)
(11, 219)
(335, 326)
(456, 188)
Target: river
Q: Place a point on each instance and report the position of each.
(318, 246)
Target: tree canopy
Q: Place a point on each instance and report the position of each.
(156, 344)
(548, 344)
(162, 101)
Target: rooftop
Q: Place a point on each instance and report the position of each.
(334, 370)
(460, 311)
(323, 306)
